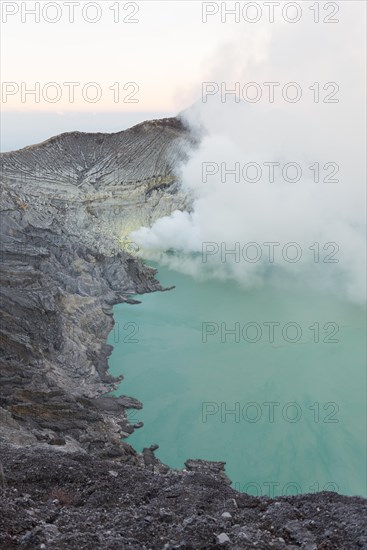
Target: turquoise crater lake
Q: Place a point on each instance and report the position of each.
(281, 399)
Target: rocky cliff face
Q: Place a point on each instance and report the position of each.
(67, 206)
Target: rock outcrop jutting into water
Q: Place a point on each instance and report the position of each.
(67, 206)
(70, 481)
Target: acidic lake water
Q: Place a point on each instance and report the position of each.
(284, 405)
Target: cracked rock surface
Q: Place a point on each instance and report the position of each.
(87, 503)
(67, 206)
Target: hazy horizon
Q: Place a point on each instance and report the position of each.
(21, 129)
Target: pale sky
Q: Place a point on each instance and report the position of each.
(164, 54)
(167, 55)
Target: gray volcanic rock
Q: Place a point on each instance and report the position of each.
(116, 182)
(84, 502)
(67, 477)
(67, 207)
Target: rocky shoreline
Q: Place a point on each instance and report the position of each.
(65, 263)
(70, 480)
(64, 500)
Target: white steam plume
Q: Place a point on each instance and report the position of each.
(305, 132)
